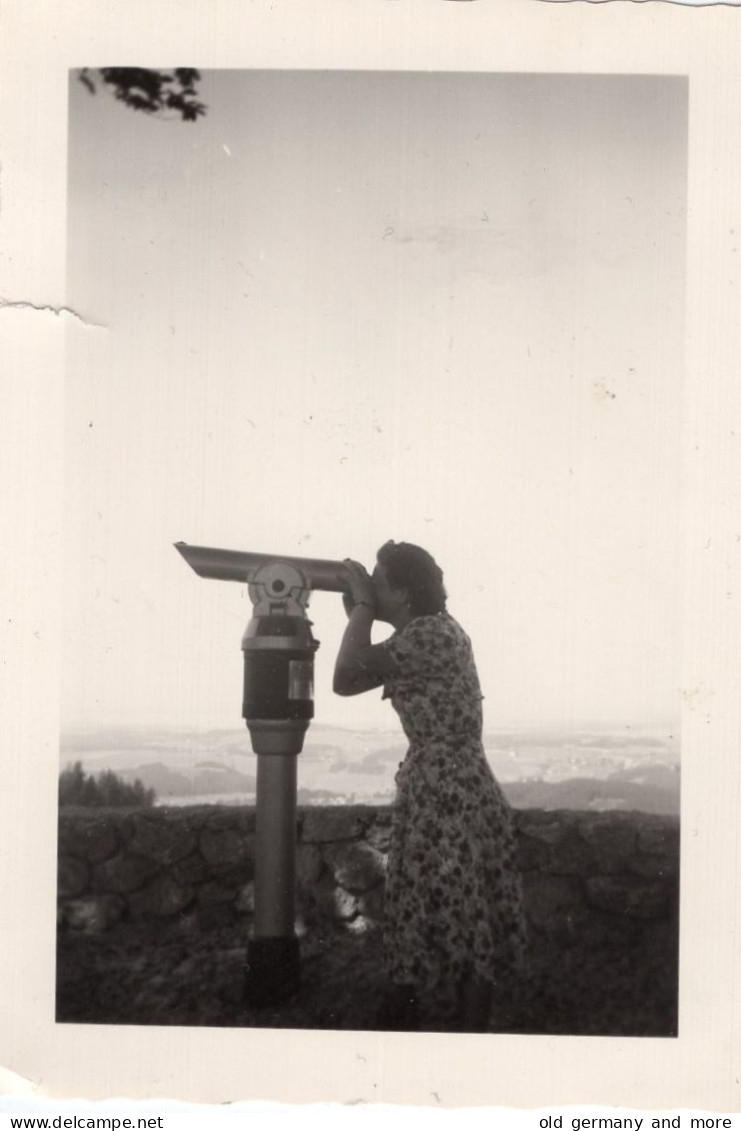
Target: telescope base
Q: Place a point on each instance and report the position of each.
(273, 970)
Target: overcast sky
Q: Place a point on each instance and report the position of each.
(347, 307)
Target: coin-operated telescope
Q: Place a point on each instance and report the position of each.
(277, 706)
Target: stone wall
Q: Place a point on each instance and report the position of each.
(604, 879)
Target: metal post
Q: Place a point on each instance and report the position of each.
(275, 878)
(273, 968)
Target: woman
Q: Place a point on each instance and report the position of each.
(453, 914)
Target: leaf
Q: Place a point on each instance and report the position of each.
(153, 91)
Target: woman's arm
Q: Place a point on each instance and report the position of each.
(360, 665)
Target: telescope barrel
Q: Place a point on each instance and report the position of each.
(237, 565)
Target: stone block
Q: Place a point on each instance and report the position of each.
(335, 903)
(551, 828)
(161, 899)
(211, 916)
(195, 816)
(235, 876)
(164, 839)
(307, 906)
(192, 870)
(570, 857)
(238, 819)
(628, 895)
(91, 838)
(309, 864)
(318, 903)
(123, 874)
(356, 866)
(187, 921)
(611, 833)
(371, 904)
(345, 904)
(213, 892)
(326, 825)
(531, 854)
(94, 914)
(359, 925)
(73, 877)
(379, 834)
(231, 817)
(225, 847)
(245, 901)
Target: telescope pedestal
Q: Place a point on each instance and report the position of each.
(277, 706)
(273, 968)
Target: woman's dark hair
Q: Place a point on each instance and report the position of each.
(412, 568)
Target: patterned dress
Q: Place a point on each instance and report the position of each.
(453, 893)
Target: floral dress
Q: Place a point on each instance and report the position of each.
(453, 893)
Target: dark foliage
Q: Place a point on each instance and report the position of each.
(153, 92)
(102, 790)
(178, 973)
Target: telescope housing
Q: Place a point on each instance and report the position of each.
(239, 565)
(278, 647)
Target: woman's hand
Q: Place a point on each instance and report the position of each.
(361, 589)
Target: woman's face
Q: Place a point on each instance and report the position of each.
(388, 599)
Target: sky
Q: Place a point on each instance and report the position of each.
(351, 306)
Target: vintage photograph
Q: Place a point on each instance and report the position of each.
(372, 532)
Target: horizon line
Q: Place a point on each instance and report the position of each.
(513, 725)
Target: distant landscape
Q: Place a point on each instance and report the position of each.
(616, 768)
